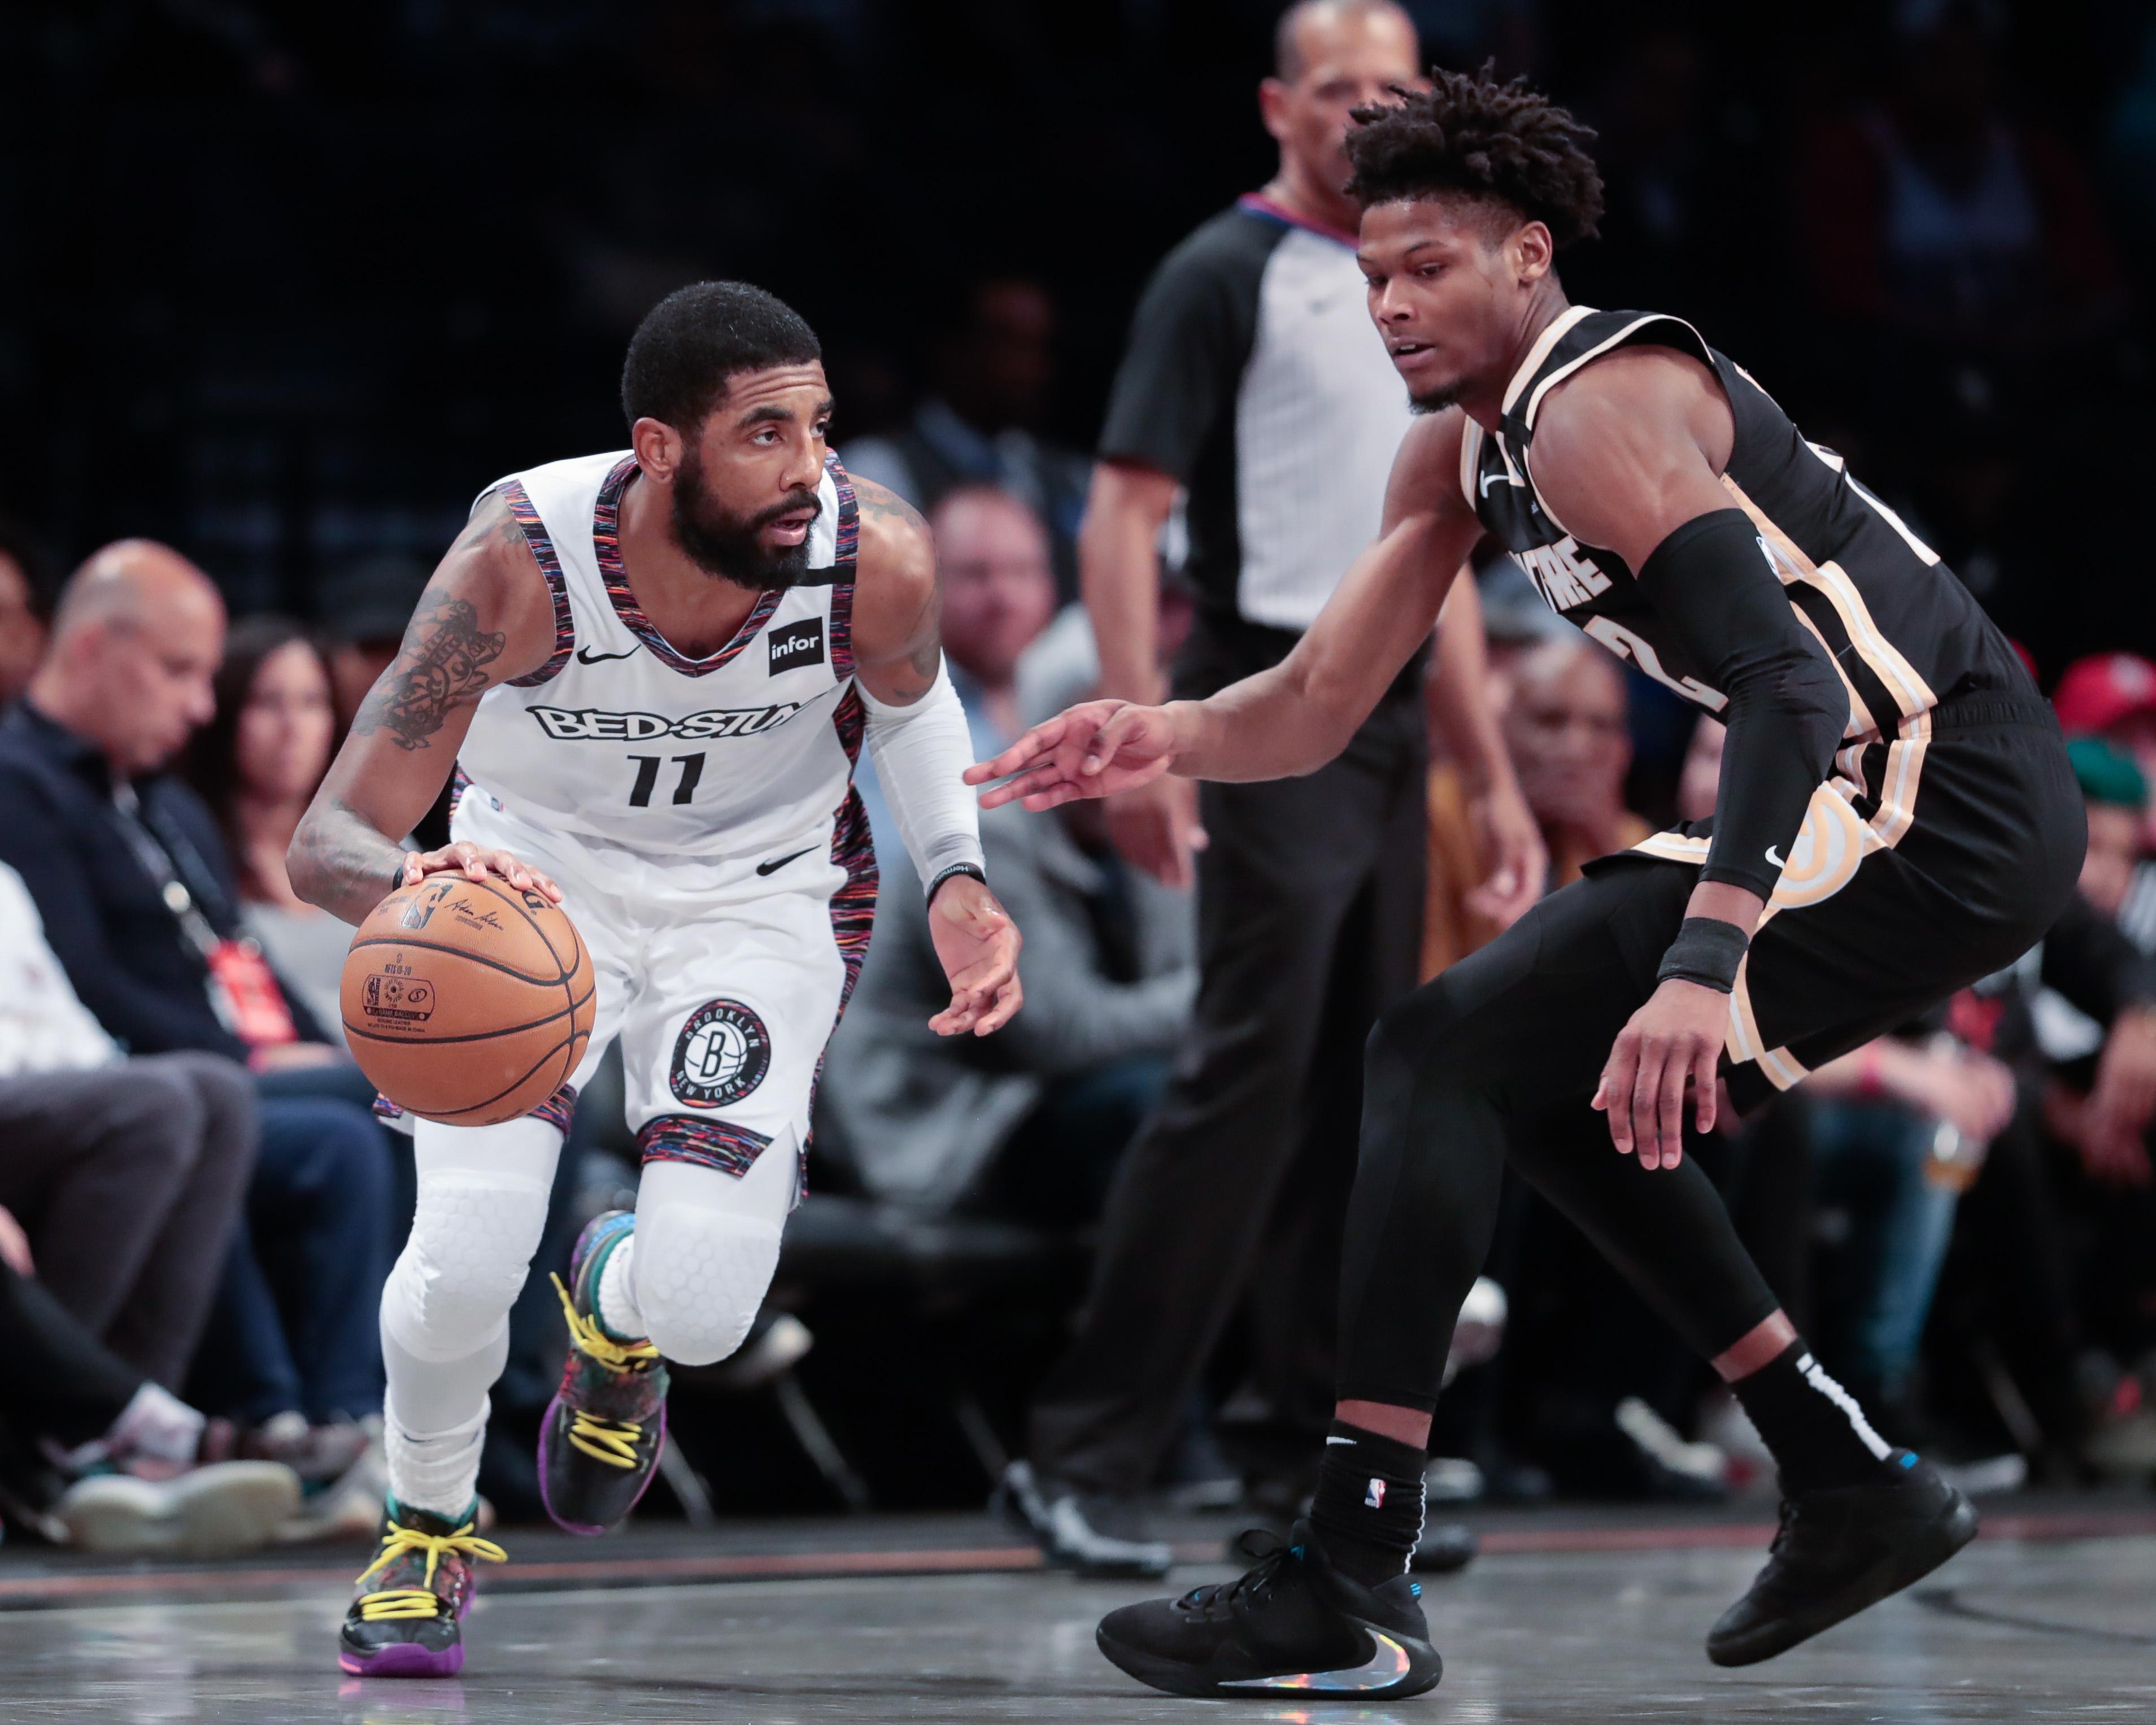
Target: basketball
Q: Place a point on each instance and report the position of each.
(467, 1001)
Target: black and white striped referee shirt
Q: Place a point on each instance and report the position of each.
(1254, 376)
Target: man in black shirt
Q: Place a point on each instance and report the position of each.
(1254, 384)
(1897, 817)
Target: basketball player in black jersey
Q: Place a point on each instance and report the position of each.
(1896, 819)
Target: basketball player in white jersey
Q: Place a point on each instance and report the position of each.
(655, 671)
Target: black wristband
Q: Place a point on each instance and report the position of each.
(956, 868)
(1706, 951)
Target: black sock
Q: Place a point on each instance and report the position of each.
(1369, 1508)
(1818, 1434)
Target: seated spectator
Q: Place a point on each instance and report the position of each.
(2104, 1112)
(992, 371)
(256, 764)
(129, 1174)
(2111, 697)
(22, 611)
(94, 1453)
(128, 872)
(1029, 1121)
(999, 593)
(1899, 1129)
(1564, 724)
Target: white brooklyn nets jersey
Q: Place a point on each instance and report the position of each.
(619, 739)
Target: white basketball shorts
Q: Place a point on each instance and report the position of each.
(723, 979)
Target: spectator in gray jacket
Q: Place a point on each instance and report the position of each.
(1027, 1122)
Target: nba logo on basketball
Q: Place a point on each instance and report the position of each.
(721, 1054)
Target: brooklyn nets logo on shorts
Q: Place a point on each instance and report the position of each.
(721, 1054)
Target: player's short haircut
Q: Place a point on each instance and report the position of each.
(1288, 63)
(694, 341)
(1468, 135)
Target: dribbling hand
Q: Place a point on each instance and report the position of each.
(1094, 749)
(475, 862)
(1677, 1036)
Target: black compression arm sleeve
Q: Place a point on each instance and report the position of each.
(1711, 581)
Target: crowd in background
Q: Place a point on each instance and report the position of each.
(1937, 263)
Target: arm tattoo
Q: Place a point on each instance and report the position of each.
(443, 661)
(341, 862)
(879, 503)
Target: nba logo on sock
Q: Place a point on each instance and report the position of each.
(1374, 1498)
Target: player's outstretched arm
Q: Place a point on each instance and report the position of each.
(484, 617)
(917, 737)
(1297, 716)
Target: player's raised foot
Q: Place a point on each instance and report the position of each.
(598, 1445)
(407, 1618)
(1839, 1551)
(1293, 1623)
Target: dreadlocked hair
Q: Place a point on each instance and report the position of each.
(1469, 136)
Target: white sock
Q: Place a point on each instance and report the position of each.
(434, 1423)
(436, 1471)
(157, 1424)
(617, 1293)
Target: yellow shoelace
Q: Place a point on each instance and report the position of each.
(613, 1441)
(394, 1603)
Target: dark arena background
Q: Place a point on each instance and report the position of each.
(283, 287)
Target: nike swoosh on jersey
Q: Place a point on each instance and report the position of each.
(775, 867)
(1775, 857)
(586, 656)
(1505, 478)
(1388, 1664)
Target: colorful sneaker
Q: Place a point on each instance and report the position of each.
(408, 1622)
(599, 1443)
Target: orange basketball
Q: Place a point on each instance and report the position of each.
(467, 1001)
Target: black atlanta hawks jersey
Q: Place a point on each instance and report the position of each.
(1901, 629)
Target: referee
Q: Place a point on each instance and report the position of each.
(1255, 383)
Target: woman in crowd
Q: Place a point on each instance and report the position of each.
(257, 764)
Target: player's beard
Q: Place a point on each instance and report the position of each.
(732, 546)
(1434, 401)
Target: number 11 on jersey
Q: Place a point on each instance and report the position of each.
(647, 776)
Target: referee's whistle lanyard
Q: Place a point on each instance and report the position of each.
(242, 991)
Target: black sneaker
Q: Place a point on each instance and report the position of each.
(1293, 1623)
(1839, 1551)
(1075, 1531)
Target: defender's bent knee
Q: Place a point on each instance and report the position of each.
(471, 1243)
(700, 1276)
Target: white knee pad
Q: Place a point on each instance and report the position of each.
(482, 1207)
(703, 1258)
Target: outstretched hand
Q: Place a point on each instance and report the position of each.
(1094, 749)
(977, 945)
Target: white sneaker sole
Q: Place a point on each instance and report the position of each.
(227, 1507)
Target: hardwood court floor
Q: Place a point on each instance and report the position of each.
(1565, 1619)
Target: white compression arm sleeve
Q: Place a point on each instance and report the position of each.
(919, 751)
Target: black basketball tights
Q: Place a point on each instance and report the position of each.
(1483, 1063)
